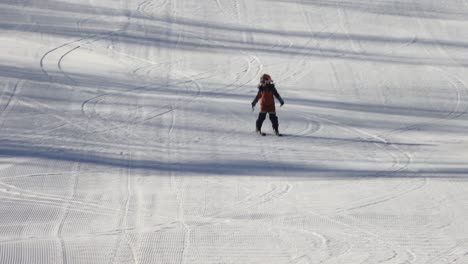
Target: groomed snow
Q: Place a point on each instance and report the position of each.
(127, 136)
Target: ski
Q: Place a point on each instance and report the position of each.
(264, 134)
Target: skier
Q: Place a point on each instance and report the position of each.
(266, 94)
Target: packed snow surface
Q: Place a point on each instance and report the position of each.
(127, 134)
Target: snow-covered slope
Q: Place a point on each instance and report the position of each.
(127, 136)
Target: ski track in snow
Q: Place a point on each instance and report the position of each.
(129, 142)
(381, 143)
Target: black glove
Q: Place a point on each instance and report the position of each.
(253, 105)
(281, 103)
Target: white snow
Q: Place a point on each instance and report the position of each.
(126, 133)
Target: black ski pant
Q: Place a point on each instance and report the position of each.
(273, 119)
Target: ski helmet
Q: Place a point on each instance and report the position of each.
(266, 78)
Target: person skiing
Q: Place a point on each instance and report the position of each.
(266, 94)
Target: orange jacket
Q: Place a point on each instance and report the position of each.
(266, 96)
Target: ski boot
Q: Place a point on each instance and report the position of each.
(278, 133)
(260, 132)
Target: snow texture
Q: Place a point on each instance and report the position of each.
(127, 136)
